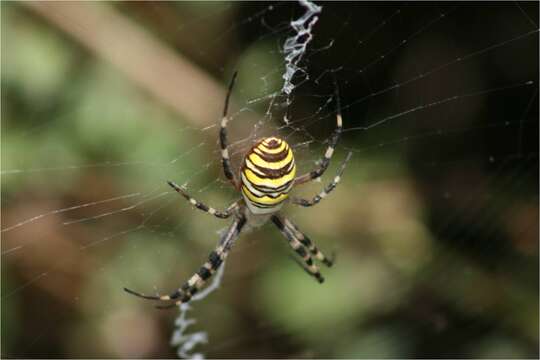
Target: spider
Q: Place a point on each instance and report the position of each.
(267, 175)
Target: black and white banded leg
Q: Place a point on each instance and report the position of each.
(306, 241)
(310, 267)
(197, 281)
(225, 156)
(201, 206)
(332, 143)
(317, 198)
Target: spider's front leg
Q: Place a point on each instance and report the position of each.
(298, 247)
(306, 241)
(197, 281)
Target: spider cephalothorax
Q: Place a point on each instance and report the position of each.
(267, 175)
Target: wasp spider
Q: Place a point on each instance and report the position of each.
(267, 175)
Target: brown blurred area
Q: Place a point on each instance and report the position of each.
(435, 224)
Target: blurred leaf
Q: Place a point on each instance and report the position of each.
(382, 343)
(32, 57)
(353, 288)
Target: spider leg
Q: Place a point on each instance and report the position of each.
(197, 280)
(317, 198)
(297, 246)
(201, 206)
(225, 159)
(306, 241)
(332, 143)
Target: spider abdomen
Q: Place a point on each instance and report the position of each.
(267, 175)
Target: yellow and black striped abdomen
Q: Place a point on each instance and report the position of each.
(267, 175)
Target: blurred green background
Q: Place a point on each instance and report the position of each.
(435, 223)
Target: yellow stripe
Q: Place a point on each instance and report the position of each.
(264, 148)
(257, 160)
(252, 167)
(271, 183)
(265, 200)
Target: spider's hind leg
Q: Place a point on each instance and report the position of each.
(332, 143)
(223, 141)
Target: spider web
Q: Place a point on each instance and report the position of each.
(435, 223)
